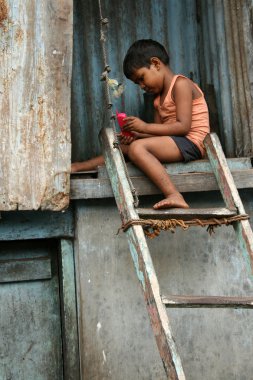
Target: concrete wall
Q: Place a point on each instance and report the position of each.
(116, 340)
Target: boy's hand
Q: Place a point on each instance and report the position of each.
(125, 140)
(134, 124)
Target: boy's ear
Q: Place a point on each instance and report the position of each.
(156, 62)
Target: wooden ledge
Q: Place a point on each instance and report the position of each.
(208, 301)
(192, 177)
(186, 214)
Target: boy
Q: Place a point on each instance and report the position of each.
(180, 125)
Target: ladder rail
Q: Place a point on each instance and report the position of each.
(208, 302)
(230, 194)
(142, 259)
(155, 303)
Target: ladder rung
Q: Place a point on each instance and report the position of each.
(185, 214)
(207, 301)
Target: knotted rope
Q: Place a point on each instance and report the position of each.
(153, 227)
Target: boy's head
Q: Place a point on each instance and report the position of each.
(140, 53)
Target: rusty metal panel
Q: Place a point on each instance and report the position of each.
(171, 22)
(226, 50)
(35, 75)
(208, 40)
(238, 23)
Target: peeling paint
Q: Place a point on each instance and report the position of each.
(136, 264)
(35, 106)
(98, 327)
(104, 357)
(19, 35)
(3, 12)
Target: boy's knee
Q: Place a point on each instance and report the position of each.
(135, 149)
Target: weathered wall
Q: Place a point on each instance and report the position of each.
(31, 337)
(173, 23)
(226, 56)
(208, 40)
(35, 76)
(38, 320)
(116, 340)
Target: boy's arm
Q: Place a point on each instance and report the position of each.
(157, 120)
(183, 100)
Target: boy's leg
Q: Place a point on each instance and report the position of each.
(93, 163)
(84, 166)
(148, 154)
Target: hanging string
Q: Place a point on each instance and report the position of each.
(104, 22)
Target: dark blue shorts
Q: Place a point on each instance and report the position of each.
(188, 149)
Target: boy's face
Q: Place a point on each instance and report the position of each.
(149, 79)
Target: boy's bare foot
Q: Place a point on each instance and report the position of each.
(173, 200)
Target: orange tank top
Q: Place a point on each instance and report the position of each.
(200, 116)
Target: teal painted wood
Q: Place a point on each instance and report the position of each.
(30, 320)
(24, 225)
(17, 270)
(230, 194)
(35, 84)
(201, 166)
(142, 259)
(85, 188)
(69, 312)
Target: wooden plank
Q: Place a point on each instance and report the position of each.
(24, 225)
(35, 93)
(68, 311)
(87, 188)
(198, 166)
(229, 192)
(208, 301)
(142, 260)
(30, 319)
(185, 214)
(31, 269)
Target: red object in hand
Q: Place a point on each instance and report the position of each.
(120, 117)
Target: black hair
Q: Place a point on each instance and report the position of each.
(140, 53)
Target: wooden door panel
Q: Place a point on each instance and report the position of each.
(30, 320)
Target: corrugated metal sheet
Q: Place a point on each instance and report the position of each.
(201, 45)
(227, 58)
(173, 23)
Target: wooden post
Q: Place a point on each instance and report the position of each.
(35, 78)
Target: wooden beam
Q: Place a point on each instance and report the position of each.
(16, 270)
(88, 188)
(24, 225)
(208, 301)
(185, 214)
(35, 97)
(68, 311)
(198, 166)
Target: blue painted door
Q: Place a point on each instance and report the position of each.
(30, 319)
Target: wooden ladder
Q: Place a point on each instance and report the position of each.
(156, 303)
